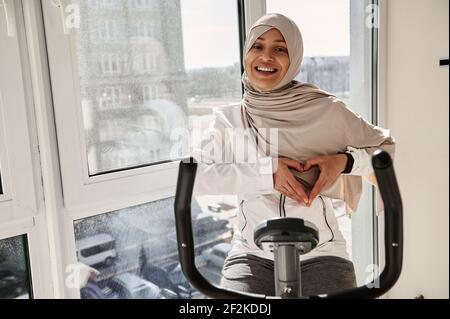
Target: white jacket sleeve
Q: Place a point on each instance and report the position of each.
(218, 171)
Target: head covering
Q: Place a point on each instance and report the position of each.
(292, 36)
(310, 121)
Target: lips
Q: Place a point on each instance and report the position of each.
(266, 70)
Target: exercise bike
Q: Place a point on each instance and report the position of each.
(289, 238)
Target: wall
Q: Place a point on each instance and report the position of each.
(417, 112)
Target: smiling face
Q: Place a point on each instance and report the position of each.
(267, 61)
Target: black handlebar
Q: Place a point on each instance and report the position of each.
(387, 183)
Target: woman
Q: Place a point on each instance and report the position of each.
(321, 151)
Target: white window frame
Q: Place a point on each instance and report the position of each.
(4, 165)
(24, 212)
(17, 148)
(254, 9)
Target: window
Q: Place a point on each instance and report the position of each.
(15, 282)
(326, 60)
(144, 3)
(106, 3)
(141, 242)
(111, 97)
(107, 30)
(145, 63)
(338, 58)
(145, 29)
(110, 64)
(97, 249)
(150, 92)
(173, 77)
(116, 156)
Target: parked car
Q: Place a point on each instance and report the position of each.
(12, 284)
(130, 286)
(177, 277)
(215, 208)
(205, 223)
(161, 277)
(97, 249)
(216, 255)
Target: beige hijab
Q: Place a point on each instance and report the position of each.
(310, 122)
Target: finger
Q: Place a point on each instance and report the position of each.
(318, 186)
(284, 190)
(291, 193)
(294, 164)
(298, 190)
(311, 162)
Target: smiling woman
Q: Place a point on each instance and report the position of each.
(268, 61)
(311, 131)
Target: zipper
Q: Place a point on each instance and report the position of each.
(282, 204)
(326, 220)
(245, 218)
(279, 205)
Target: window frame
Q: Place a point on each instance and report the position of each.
(37, 256)
(4, 165)
(26, 213)
(18, 149)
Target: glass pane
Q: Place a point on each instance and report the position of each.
(134, 251)
(326, 60)
(338, 59)
(14, 269)
(145, 66)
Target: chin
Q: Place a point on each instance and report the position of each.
(266, 86)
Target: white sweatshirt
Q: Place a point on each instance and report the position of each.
(219, 173)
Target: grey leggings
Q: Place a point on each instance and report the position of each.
(321, 275)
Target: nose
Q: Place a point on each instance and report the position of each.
(266, 55)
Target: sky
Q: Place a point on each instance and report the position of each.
(210, 28)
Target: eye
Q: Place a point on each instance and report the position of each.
(281, 49)
(257, 46)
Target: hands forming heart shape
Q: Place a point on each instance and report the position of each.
(304, 182)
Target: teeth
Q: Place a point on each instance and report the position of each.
(265, 69)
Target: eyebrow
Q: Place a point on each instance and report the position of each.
(279, 41)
